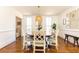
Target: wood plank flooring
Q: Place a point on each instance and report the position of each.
(63, 47)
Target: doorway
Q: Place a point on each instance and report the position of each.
(18, 34)
(18, 27)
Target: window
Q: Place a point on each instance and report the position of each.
(48, 23)
(29, 24)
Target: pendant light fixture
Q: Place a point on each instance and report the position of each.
(38, 18)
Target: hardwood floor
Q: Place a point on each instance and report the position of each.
(63, 47)
(13, 47)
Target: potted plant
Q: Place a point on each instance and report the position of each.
(54, 26)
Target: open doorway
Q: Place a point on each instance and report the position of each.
(18, 27)
(18, 34)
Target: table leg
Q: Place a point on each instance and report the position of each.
(74, 41)
(67, 39)
(77, 41)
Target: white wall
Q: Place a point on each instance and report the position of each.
(62, 27)
(7, 25)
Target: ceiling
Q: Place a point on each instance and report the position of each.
(41, 10)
